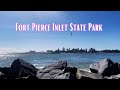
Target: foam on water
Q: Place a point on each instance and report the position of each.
(40, 67)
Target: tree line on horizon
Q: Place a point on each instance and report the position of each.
(81, 50)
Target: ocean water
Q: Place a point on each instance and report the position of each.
(79, 60)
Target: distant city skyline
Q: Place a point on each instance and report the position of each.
(12, 41)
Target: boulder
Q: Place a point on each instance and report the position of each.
(7, 72)
(51, 71)
(87, 75)
(21, 68)
(57, 65)
(72, 71)
(48, 74)
(67, 73)
(105, 68)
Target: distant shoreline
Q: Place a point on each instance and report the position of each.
(80, 53)
(65, 50)
(63, 53)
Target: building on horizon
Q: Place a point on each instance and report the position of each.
(31, 51)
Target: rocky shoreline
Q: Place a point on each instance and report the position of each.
(19, 69)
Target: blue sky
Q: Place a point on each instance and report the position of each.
(12, 41)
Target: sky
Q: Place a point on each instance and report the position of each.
(16, 41)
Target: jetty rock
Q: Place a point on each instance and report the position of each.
(57, 65)
(105, 67)
(81, 74)
(51, 71)
(21, 68)
(57, 70)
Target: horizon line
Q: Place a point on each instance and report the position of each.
(65, 49)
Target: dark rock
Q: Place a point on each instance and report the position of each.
(105, 68)
(87, 75)
(21, 68)
(7, 72)
(51, 71)
(29, 77)
(118, 65)
(93, 70)
(22, 78)
(2, 76)
(72, 71)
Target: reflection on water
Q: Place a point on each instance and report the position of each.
(40, 60)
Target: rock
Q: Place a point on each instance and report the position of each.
(7, 72)
(56, 71)
(2, 76)
(113, 77)
(58, 65)
(63, 76)
(21, 68)
(51, 71)
(105, 68)
(29, 77)
(48, 74)
(22, 78)
(69, 73)
(72, 71)
(118, 65)
(94, 67)
(87, 75)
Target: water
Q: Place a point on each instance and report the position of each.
(81, 61)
